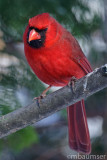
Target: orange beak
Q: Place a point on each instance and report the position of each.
(33, 35)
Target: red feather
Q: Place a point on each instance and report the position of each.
(55, 63)
(79, 138)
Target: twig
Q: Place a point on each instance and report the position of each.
(84, 87)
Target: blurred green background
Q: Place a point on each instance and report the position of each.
(47, 140)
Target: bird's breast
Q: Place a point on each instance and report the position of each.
(54, 65)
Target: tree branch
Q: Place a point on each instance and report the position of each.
(84, 87)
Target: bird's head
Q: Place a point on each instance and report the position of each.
(42, 30)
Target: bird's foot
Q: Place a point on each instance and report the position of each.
(38, 99)
(72, 83)
(43, 95)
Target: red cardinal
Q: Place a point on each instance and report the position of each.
(55, 57)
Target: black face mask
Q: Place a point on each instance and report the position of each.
(39, 42)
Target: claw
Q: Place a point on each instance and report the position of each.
(43, 95)
(40, 97)
(72, 83)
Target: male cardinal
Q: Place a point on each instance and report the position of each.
(55, 57)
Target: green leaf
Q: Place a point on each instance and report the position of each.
(20, 140)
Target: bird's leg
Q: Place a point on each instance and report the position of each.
(72, 83)
(45, 91)
(43, 94)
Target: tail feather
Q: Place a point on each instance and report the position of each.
(79, 138)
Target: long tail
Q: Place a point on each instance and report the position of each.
(79, 138)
